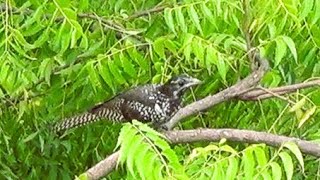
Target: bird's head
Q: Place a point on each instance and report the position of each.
(178, 84)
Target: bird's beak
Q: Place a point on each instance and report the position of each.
(194, 81)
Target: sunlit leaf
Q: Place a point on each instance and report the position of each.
(248, 163)
(195, 18)
(291, 46)
(298, 105)
(30, 137)
(169, 19)
(306, 116)
(158, 46)
(20, 38)
(180, 19)
(306, 8)
(287, 164)
(281, 50)
(316, 16)
(296, 151)
(207, 13)
(276, 171)
(233, 167)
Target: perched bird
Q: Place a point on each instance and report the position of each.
(155, 103)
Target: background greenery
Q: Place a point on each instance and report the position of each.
(59, 58)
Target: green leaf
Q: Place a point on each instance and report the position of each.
(187, 46)
(211, 55)
(180, 20)
(32, 30)
(106, 75)
(232, 169)
(45, 69)
(19, 37)
(65, 41)
(42, 38)
(217, 174)
(84, 44)
(170, 46)
(83, 176)
(249, 163)
(93, 50)
(135, 146)
(142, 160)
(125, 139)
(76, 33)
(128, 67)
(21, 51)
(287, 164)
(307, 116)
(229, 149)
(116, 72)
(158, 46)
(281, 50)
(296, 151)
(36, 16)
(198, 50)
(169, 19)
(276, 171)
(30, 137)
(316, 12)
(222, 69)
(306, 8)
(207, 13)
(63, 3)
(298, 105)
(260, 156)
(94, 79)
(70, 14)
(195, 18)
(83, 5)
(265, 174)
(172, 157)
(291, 46)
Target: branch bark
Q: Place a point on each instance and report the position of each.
(259, 94)
(106, 166)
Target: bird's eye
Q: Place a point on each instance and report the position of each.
(180, 83)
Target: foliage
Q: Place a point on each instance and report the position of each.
(60, 57)
(147, 154)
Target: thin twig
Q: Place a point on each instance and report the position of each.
(258, 94)
(147, 12)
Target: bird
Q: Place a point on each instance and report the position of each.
(150, 103)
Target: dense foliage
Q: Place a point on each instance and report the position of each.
(60, 57)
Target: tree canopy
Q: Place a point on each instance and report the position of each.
(59, 58)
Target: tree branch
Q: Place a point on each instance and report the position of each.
(147, 12)
(259, 94)
(106, 166)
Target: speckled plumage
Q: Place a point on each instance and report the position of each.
(153, 103)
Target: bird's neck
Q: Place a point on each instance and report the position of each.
(170, 91)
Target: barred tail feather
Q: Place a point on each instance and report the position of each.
(76, 121)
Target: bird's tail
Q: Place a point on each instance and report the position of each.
(75, 121)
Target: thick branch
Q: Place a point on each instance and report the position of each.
(104, 167)
(243, 136)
